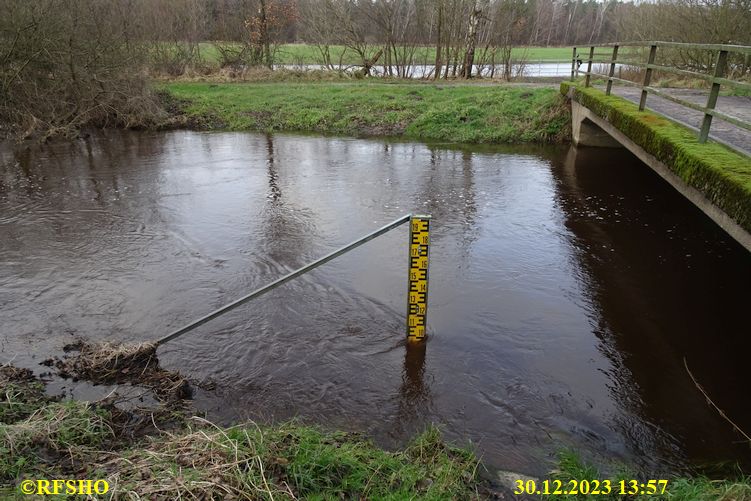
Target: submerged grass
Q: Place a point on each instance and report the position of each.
(71, 439)
(121, 363)
(455, 113)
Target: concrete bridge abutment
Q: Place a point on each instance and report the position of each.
(590, 129)
(585, 132)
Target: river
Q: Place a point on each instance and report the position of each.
(567, 287)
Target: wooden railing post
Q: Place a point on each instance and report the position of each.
(612, 70)
(719, 72)
(589, 65)
(647, 77)
(574, 68)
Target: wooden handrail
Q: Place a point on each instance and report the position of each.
(716, 79)
(677, 71)
(741, 49)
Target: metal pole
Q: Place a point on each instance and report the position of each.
(286, 278)
(719, 72)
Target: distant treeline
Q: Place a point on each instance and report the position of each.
(520, 22)
(66, 63)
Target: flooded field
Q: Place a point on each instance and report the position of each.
(527, 69)
(567, 288)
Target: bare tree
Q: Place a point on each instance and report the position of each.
(176, 28)
(320, 28)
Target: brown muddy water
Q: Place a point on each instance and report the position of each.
(566, 288)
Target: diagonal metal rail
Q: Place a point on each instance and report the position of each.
(286, 278)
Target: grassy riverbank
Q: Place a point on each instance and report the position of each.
(164, 453)
(43, 438)
(456, 113)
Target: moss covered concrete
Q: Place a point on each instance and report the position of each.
(723, 176)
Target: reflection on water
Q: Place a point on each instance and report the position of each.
(414, 392)
(566, 287)
(668, 287)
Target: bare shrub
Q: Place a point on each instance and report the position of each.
(69, 63)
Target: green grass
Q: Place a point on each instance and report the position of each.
(722, 175)
(293, 461)
(19, 400)
(50, 431)
(309, 54)
(468, 114)
(699, 488)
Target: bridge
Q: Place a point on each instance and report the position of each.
(697, 139)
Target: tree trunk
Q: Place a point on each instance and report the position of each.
(469, 56)
(369, 63)
(438, 41)
(265, 36)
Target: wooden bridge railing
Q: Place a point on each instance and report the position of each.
(716, 79)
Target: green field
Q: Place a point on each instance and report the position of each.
(309, 54)
(454, 113)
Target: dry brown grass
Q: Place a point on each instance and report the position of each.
(205, 463)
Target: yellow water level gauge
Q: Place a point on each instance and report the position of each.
(417, 302)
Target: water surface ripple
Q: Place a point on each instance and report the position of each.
(566, 287)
